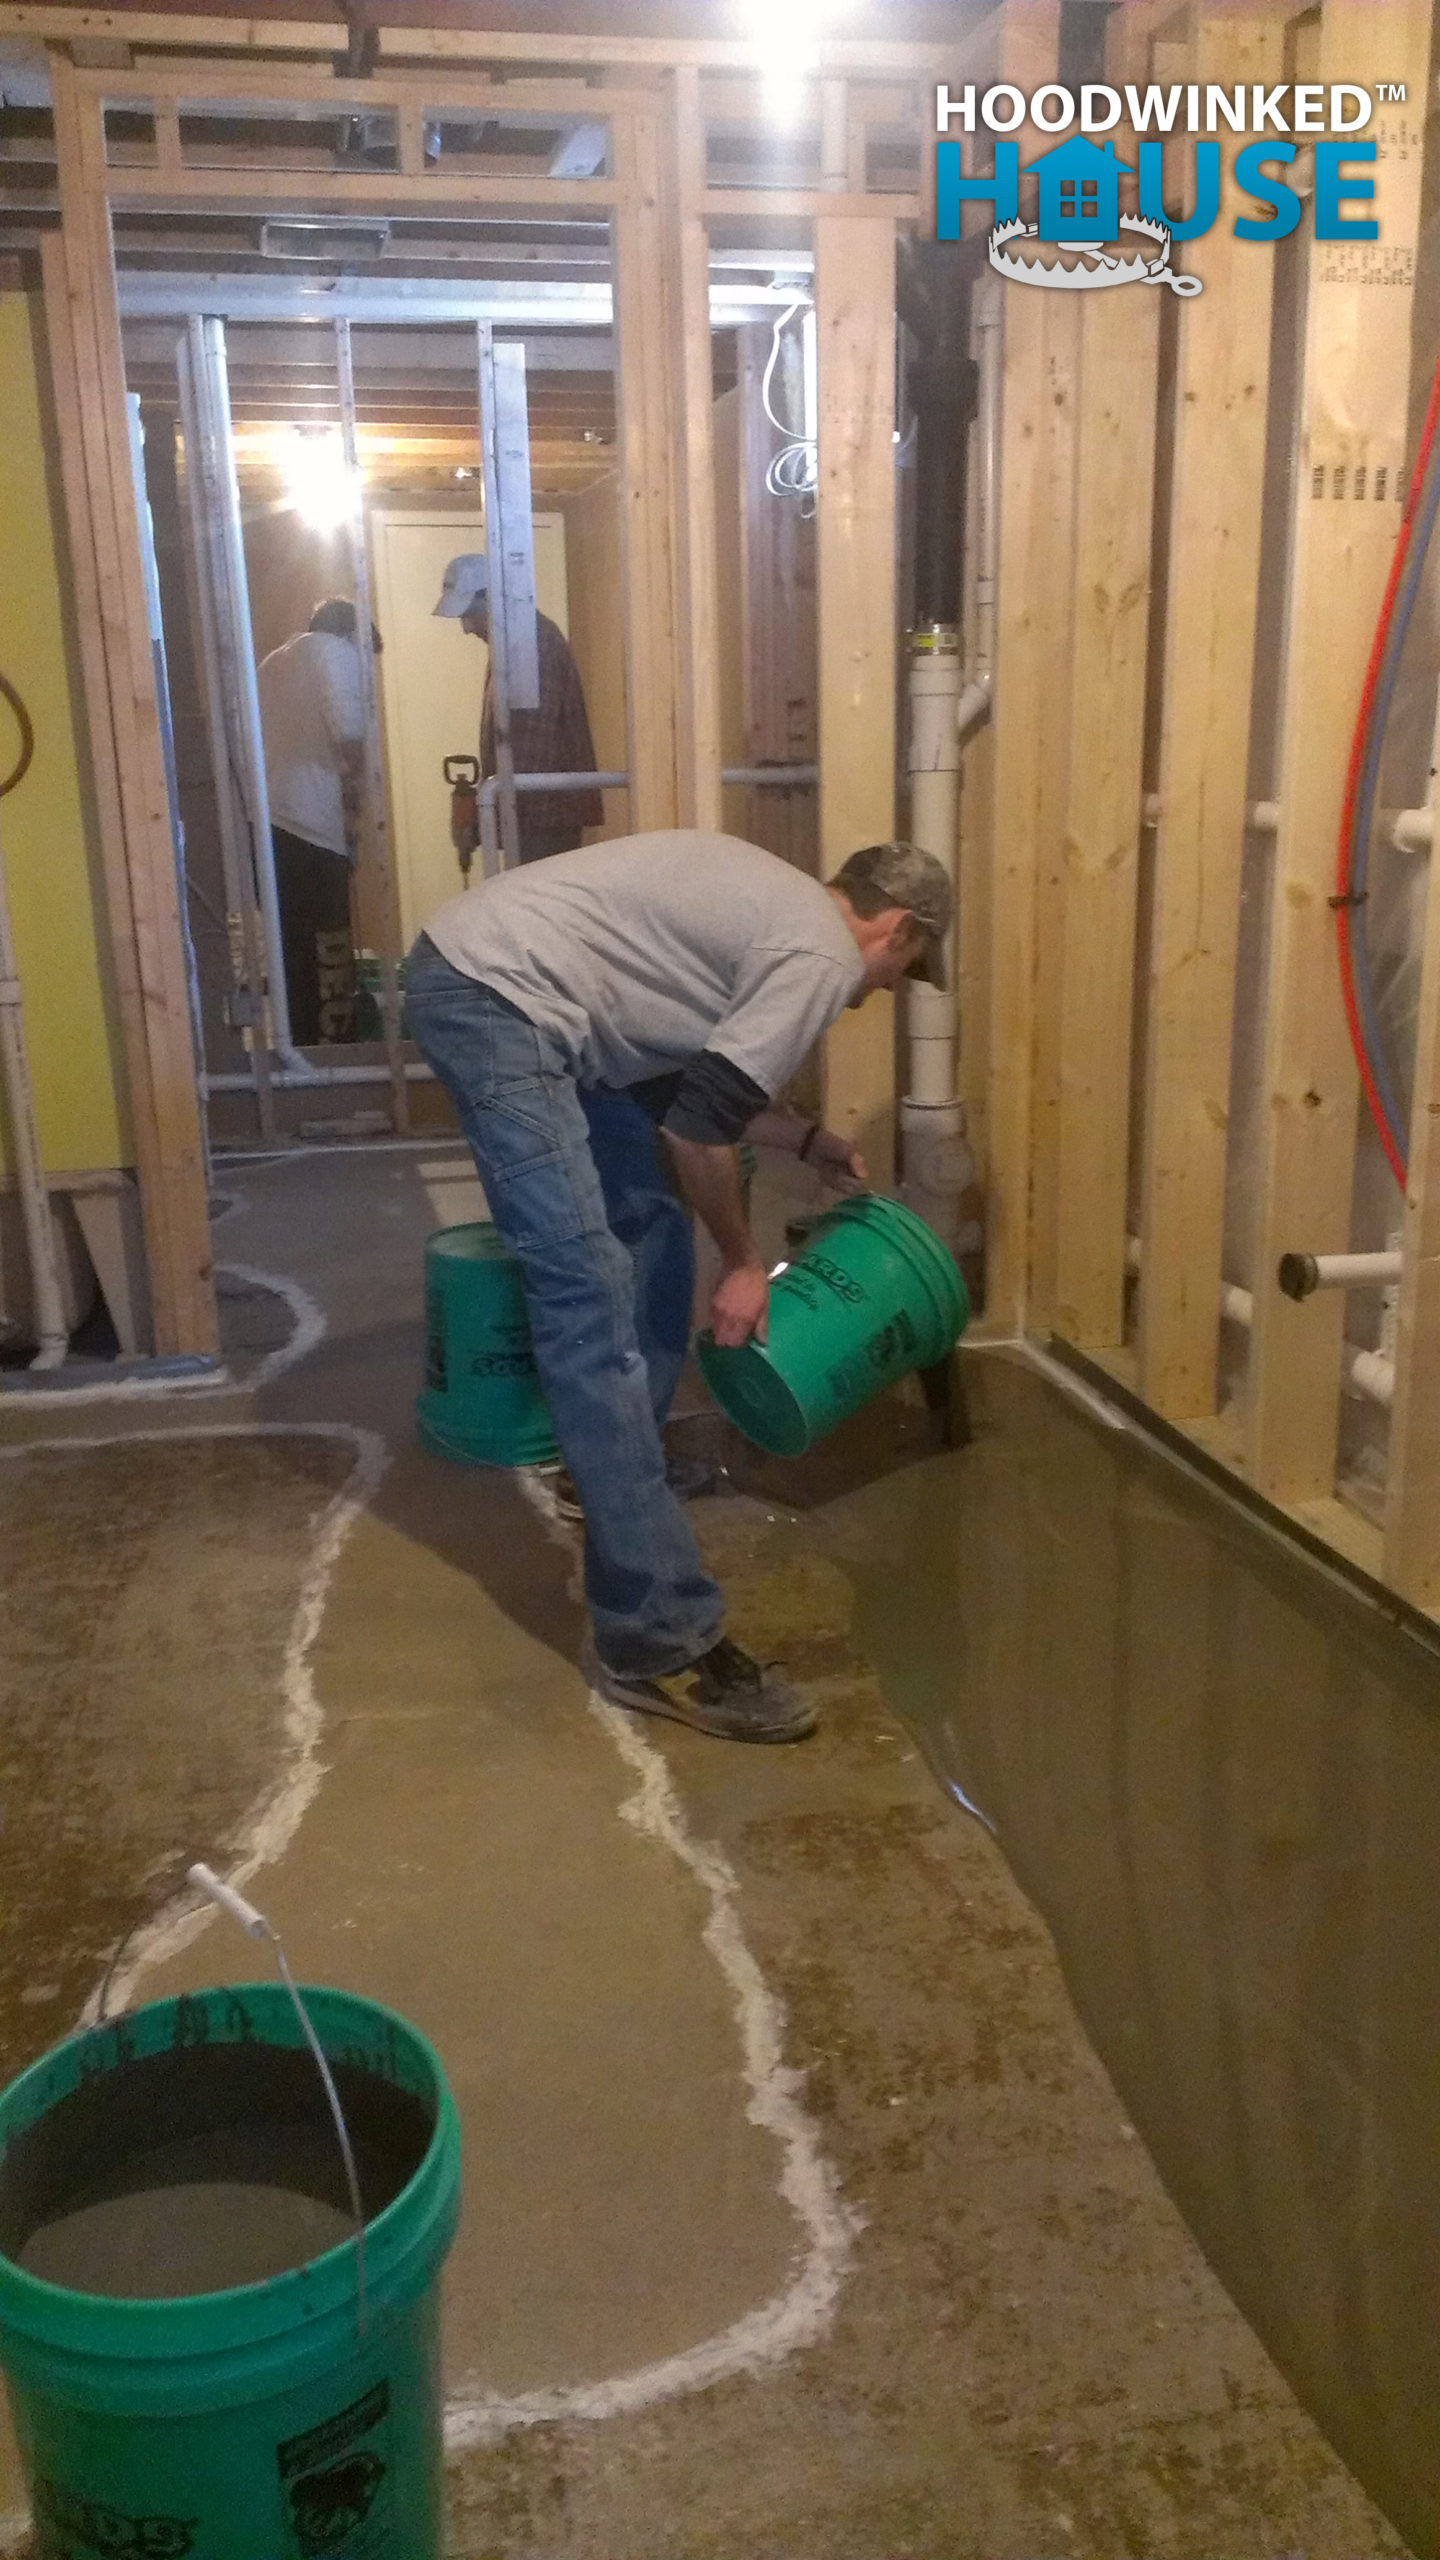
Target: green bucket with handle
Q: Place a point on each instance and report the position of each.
(482, 1401)
(874, 1294)
(297, 2413)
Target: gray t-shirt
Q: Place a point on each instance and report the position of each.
(642, 953)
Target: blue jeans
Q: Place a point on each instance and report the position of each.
(575, 1187)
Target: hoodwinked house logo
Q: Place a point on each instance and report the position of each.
(1078, 180)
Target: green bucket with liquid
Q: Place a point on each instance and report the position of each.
(192, 2362)
(874, 1294)
(482, 1401)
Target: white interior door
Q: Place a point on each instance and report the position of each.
(433, 677)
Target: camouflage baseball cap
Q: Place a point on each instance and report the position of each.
(905, 875)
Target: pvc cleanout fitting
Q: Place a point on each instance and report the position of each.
(937, 1166)
(972, 708)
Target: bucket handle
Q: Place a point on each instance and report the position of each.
(255, 1925)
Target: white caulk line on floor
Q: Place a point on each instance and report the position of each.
(311, 1325)
(310, 1329)
(777, 2329)
(271, 1825)
(803, 2311)
(121, 1391)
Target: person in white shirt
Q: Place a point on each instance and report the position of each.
(313, 728)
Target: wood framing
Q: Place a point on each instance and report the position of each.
(1222, 370)
(321, 86)
(855, 571)
(697, 627)
(1132, 421)
(99, 727)
(857, 60)
(1028, 750)
(243, 190)
(125, 731)
(642, 285)
(804, 203)
(1352, 430)
(1033, 661)
(1115, 463)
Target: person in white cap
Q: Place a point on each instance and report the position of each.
(553, 739)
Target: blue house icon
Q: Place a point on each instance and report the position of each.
(1079, 190)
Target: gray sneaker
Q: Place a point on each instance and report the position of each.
(725, 1693)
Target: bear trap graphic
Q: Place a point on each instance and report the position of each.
(1101, 267)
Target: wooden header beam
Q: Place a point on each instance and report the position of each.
(242, 188)
(858, 61)
(259, 34)
(151, 26)
(319, 84)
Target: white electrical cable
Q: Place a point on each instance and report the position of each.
(255, 1925)
(793, 472)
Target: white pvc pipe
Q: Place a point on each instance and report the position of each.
(1353, 1270)
(933, 688)
(758, 777)
(316, 1078)
(987, 348)
(936, 1162)
(29, 1165)
(1413, 830)
(1262, 817)
(834, 136)
(1368, 1373)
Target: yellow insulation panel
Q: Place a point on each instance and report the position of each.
(51, 860)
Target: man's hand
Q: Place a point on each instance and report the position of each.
(740, 1304)
(836, 1161)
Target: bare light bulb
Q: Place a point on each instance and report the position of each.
(319, 483)
(786, 36)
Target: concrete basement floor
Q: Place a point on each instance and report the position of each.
(802, 2222)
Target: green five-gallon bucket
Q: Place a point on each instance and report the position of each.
(482, 1400)
(874, 1294)
(190, 2365)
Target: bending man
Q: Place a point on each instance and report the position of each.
(676, 981)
